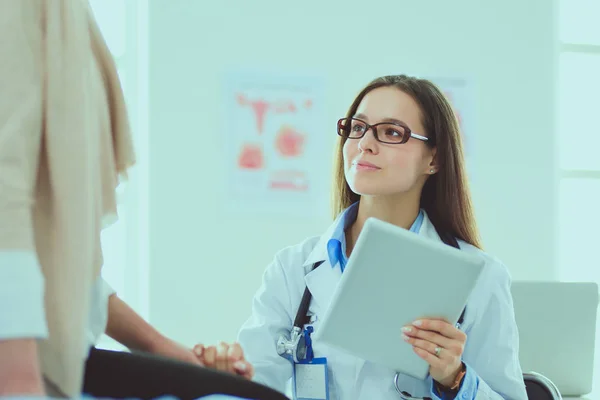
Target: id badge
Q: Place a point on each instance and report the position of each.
(310, 380)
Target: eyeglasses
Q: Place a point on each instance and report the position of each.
(393, 132)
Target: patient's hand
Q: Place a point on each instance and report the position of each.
(169, 348)
(225, 357)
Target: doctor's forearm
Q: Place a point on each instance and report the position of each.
(128, 328)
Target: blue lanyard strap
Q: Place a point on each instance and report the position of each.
(308, 340)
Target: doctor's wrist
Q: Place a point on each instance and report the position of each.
(453, 382)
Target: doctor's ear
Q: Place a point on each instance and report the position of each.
(433, 167)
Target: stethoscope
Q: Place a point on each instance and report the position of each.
(297, 348)
(294, 347)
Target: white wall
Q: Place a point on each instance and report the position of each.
(206, 264)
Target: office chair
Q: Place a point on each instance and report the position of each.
(540, 388)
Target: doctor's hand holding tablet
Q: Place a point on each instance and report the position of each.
(428, 338)
(396, 299)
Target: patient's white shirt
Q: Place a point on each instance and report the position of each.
(22, 313)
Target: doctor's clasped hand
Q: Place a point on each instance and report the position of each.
(441, 344)
(226, 358)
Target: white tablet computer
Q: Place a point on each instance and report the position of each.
(393, 278)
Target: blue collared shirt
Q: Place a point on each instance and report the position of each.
(336, 246)
(336, 250)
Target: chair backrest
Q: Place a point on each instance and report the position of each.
(540, 388)
(541, 306)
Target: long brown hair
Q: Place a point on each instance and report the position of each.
(445, 197)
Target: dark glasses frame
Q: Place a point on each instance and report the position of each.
(344, 125)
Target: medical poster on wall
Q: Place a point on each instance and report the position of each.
(276, 158)
(459, 92)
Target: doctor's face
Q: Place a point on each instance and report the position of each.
(375, 168)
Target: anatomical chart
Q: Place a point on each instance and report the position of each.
(274, 143)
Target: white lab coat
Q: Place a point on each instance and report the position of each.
(491, 350)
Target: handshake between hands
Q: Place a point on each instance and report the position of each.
(224, 357)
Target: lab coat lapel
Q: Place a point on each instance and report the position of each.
(322, 282)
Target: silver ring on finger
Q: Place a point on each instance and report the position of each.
(437, 352)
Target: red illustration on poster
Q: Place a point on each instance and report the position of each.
(260, 107)
(251, 157)
(289, 142)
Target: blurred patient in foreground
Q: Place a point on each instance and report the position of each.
(64, 145)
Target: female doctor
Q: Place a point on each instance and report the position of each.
(400, 159)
